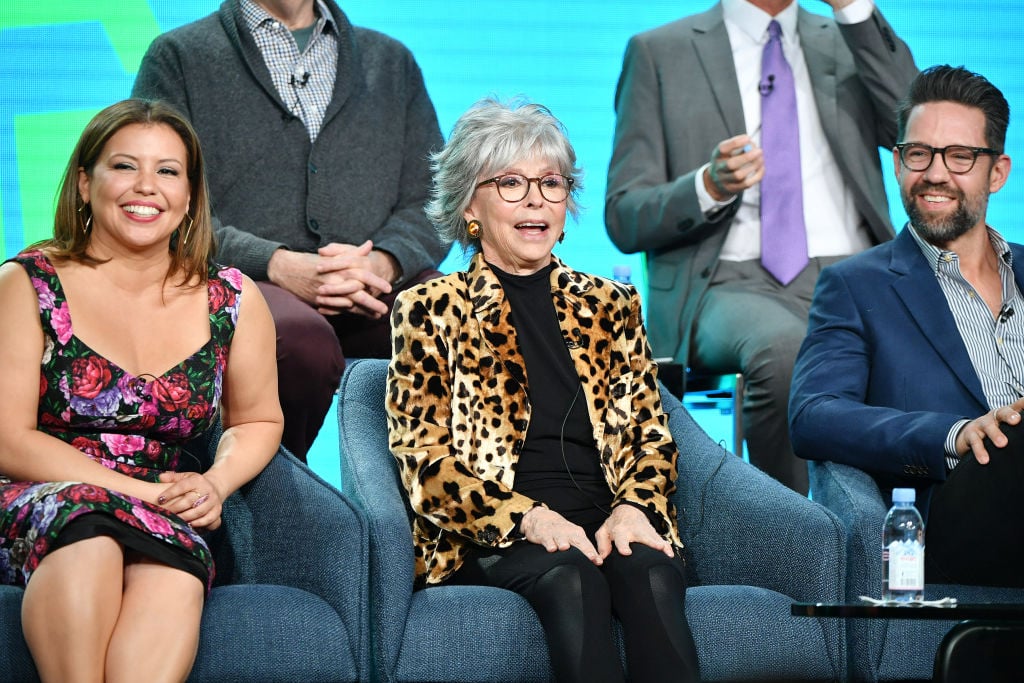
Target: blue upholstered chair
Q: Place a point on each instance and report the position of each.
(290, 599)
(882, 649)
(754, 548)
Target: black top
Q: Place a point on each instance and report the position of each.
(559, 464)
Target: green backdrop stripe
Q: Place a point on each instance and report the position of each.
(50, 137)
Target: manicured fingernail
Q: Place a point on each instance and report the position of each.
(161, 499)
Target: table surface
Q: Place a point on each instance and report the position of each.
(861, 610)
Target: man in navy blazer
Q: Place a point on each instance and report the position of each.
(913, 363)
(682, 190)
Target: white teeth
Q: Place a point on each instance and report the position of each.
(141, 210)
(531, 225)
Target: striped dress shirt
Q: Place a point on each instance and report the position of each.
(994, 344)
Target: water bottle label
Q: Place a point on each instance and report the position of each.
(906, 566)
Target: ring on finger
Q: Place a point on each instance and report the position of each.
(200, 500)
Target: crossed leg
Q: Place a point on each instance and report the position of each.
(92, 613)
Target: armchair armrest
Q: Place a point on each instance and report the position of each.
(855, 498)
(370, 476)
(288, 527)
(744, 528)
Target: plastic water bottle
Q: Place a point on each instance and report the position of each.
(903, 549)
(622, 273)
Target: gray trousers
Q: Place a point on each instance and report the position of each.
(747, 322)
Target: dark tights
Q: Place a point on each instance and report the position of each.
(575, 600)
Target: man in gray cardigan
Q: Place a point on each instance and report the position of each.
(316, 134)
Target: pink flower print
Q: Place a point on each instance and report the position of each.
(44, 293)
(152, 521)
(60, 320)
(123, 444)
(233, 276)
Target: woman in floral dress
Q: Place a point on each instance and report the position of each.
(119, 342)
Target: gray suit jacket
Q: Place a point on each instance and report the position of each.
(678, 96)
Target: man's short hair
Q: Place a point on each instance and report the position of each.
(945, 83)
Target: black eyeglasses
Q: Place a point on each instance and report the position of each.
(513, 187)
(959, 159)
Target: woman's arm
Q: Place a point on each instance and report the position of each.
(27, 454)
(250, 414)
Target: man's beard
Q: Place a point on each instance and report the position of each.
(941, 230)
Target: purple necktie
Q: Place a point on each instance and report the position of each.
(783, 235)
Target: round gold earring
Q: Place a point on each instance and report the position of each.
(473, 228)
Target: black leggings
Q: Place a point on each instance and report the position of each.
(575, 600)
(974, 533)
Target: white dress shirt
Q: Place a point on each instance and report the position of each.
(833, 224)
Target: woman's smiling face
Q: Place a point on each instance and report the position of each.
(518, 237)
(138, 189)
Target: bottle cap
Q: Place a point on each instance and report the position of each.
(904, 495)
(621, 273)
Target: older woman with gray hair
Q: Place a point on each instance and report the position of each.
(525, 416)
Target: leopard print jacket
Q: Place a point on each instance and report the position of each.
(458, 407)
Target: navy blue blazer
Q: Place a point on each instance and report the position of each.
(883, 374)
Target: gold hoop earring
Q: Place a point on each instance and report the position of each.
(87, 223)
(188, 231)
(473, 228)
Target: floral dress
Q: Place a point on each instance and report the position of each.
(135, 425)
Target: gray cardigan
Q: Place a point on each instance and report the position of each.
(365, 177)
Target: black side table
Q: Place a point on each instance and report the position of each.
(987, 644)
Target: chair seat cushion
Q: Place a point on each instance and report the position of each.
(15, 661)
(472, 633)
(271, 633)
(723, 619)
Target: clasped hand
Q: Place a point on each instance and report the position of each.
(972, 436)
(338, 278)
(193, 497)
(626, 525)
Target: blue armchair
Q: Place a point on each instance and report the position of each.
(883, 649)
(754, 548)
(290, 598)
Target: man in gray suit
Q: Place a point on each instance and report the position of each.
(687, 172)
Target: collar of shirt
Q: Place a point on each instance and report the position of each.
(753, 21)
(935, 256)
(256, 17)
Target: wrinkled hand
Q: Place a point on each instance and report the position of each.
(339, 278)
(628, 524)
(732, 169)
(972, 436)
(193, 497)
(553, 531)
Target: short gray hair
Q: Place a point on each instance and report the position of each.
(489, 137)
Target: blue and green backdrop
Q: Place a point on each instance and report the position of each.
(63, 60)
